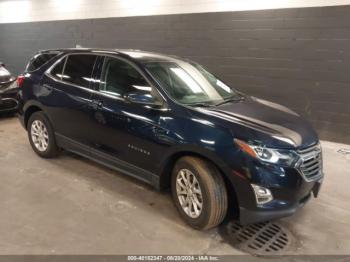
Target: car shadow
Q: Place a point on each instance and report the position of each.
(135, 191)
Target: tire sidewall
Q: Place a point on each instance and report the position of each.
(51, 149)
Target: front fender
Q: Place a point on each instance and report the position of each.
(182, 150)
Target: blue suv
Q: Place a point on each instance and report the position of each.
(172, 124)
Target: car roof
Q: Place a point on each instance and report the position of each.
(138, 55)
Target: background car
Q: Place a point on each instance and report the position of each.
(8, 91)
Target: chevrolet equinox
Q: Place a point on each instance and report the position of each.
(172, 124)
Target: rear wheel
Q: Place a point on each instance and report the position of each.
(41, 135)
(199, 192)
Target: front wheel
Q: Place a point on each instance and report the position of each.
(41, 135)
(199, 192)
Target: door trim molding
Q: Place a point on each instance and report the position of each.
(107, 160)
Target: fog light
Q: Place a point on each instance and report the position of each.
(262, 194)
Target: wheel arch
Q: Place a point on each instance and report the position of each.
(29, 110)
(170, 160)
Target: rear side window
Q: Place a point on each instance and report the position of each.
(39, 60)
(78, 69)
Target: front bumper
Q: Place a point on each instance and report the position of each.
(251, 216)
(289, 189)
(254, 216)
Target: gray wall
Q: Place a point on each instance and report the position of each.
(296, 57)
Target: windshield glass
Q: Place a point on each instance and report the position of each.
(4, 74)
(189, 83)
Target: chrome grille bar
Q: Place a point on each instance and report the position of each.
(307, 169)
(311, 162)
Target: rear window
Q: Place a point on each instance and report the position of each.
(40, 59)
(78, 69)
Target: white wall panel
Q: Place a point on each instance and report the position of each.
(44, 10)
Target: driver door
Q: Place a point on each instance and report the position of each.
(126, 131)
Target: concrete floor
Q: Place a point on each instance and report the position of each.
(70, 205)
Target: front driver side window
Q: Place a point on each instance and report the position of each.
(119, 78)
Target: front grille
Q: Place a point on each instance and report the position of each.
(311, 162)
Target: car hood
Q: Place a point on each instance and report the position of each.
(261, 121)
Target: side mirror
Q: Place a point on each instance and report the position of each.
(144, 99)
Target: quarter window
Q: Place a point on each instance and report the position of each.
(78, 70)
(38, 60)
(120, 78)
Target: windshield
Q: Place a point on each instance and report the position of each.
(191, 84)
(4, 74)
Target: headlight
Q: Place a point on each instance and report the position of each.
(270, 155)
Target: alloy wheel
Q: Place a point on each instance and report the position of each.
(189, 193)
(40, 135)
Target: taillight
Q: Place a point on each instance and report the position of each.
(20, 80)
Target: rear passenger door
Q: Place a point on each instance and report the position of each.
(69, 103)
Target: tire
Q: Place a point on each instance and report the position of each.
(50, 149)
(212, 190)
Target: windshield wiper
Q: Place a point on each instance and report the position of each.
(233, 99)
(200, 104)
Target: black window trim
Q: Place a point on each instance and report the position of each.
(48, 72)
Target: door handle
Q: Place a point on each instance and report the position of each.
(97, 104)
